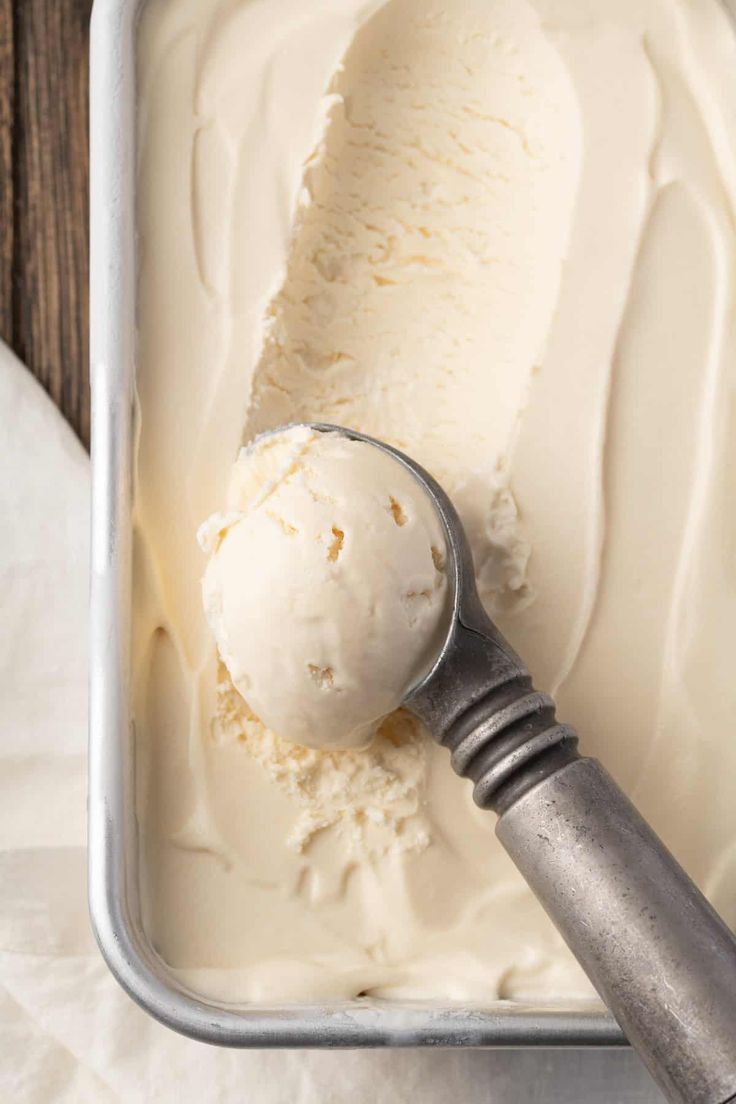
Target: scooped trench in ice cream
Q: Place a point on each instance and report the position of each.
(334, 544)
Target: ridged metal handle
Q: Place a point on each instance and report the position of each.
(479, 703)
(658, 954)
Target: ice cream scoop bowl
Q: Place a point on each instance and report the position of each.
(658, 954)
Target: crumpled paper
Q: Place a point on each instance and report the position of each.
(69, 1034)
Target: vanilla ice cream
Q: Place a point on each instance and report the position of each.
(335, 545)
(500, 235)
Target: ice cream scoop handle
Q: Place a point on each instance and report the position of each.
(658, 954)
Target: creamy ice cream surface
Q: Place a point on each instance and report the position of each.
(325, 589)
(499, 235)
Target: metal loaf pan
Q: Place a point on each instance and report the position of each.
(113, 892)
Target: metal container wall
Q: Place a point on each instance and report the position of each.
(113, 887)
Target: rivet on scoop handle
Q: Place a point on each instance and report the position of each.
(658, 954)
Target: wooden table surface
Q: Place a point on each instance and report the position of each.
(43, 195)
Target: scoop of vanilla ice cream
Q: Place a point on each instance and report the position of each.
(325, 588)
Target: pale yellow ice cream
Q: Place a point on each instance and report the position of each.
(498, 234)
(325, 590)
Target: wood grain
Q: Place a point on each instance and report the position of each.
(7, 105)
(43, 198)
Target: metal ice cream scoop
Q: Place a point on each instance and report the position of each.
(658, 954)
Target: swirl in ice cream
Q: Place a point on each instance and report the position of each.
(499, 235)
